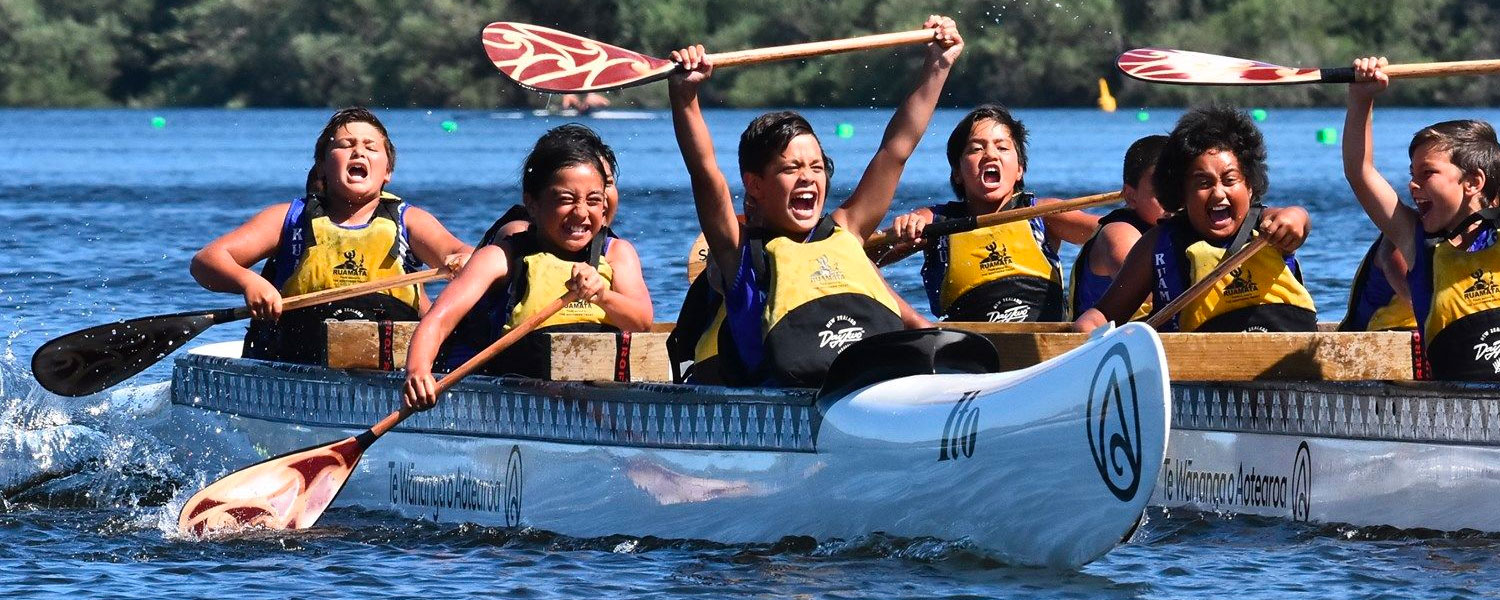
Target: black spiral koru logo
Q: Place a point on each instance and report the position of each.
(513, 481)
(1301, 494)
(1113, 420)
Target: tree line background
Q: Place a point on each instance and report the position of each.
(427, 53)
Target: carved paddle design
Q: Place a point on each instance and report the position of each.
(1161, 65)
(291, 491)
(548, 60)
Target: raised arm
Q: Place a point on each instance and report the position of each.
(1397, 221)
(224, 264)
(866, 207)
(710, 190)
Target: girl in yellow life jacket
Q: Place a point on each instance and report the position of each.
(796, 284)
(1450, 239)
(1212, 174)
(346, 230)
(1008, 272)
(565, 248)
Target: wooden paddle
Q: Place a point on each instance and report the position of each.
(1161, 65)
(951, 226)
(548, 60)
(292, 490)
(1229, 263)
(90, 360)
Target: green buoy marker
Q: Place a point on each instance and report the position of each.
(1142, 116)
(158, 122)
(450, 126)
(1328, 136)
(844, 130)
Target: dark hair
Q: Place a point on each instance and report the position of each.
(557, 150)
(960, 138)
(1199, 131)
(1142, 155)
(766, 136)
(578, 134)
(344, 116)
(1471, 147)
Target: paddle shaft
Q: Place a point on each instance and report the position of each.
(795, 51)
(349, 291)
(473, 364)
(952, 226)
(1416, 70)
(1203, 285)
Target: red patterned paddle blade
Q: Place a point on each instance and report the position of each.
(1160, 65)
(548, 60)
(287, 492)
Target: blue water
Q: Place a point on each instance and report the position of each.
(102, 212)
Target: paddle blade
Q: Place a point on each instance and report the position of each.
(90, 360)
(290, 491)
(548, 60)
(1160, 65)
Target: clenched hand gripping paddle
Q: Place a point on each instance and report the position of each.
(292, 490)
(91, 360)
(548, 60)
(1161, 65)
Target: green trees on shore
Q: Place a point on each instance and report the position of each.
(397, 53)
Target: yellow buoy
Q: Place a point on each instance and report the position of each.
(1106, 101)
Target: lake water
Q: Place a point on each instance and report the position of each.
(102, 212)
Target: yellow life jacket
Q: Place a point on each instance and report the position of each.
(1462, 325)
(790, 316)
(1000, 273)
(1373, 304)
(316, 254)
(342, 256)
(546, 277)
(1264, 294)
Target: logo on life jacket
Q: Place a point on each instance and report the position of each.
(1482, 288)
(839, 332)
(997, 259)
(1008, 310)
(1488, 348)
(826, 272)
(1241, 284)
(353, 267)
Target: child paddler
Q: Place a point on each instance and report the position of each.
(1211, 176)
(346, 230)
(796, 284)
(565, 248)
(1008, 272)
(1100, 258)
(1449, 239)
(483, 324)
(1379, 298)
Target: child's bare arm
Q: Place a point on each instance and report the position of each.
(488, 265)
(224, 264)
(1285, 227)
(710, 190)
(1074, 227)
(866, 207)
(1397, 221)
(433, 243)
(1128, 290)
(627, 301)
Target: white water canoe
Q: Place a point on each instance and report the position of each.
(1050, 465)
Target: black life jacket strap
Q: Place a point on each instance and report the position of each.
(1247, 229)
(1489, 216)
